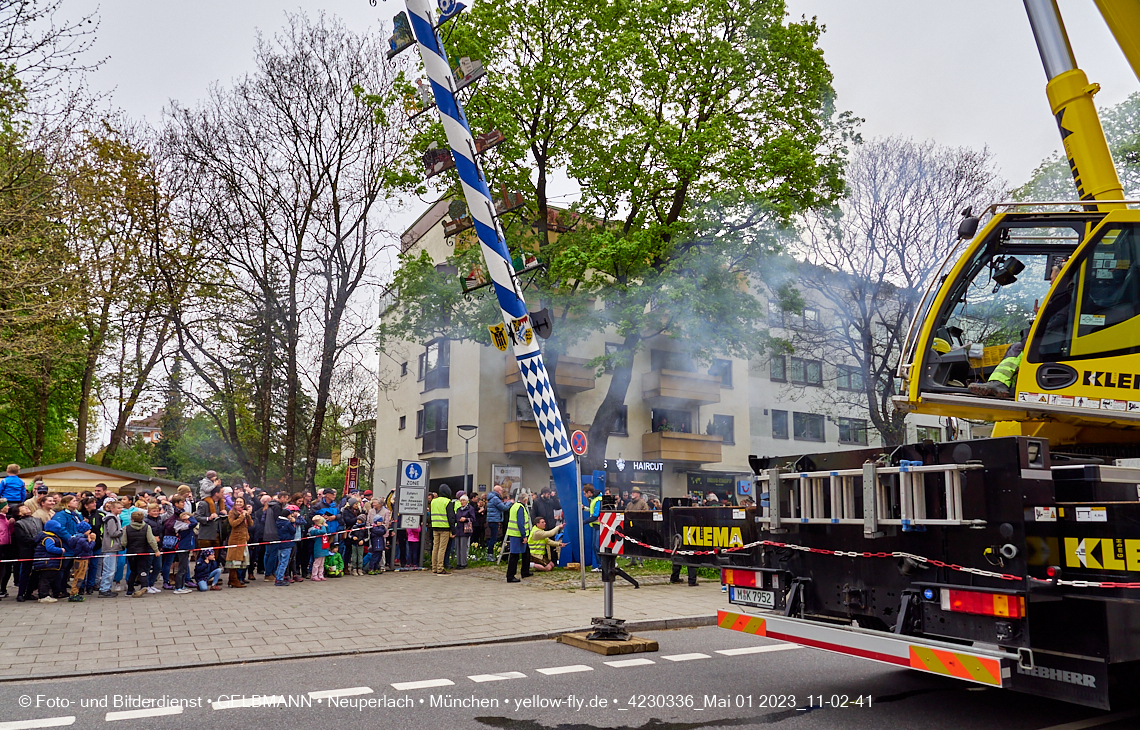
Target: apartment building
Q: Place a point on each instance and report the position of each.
(686, 426)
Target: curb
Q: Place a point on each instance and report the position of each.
(665, 624)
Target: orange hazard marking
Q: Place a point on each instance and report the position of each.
(952, 664)
(741, 622)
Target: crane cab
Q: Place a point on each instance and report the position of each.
(1060, 287)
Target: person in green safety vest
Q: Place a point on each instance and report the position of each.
(518, 532)
(590, 509)
(1000, 382)
(541, 543)
(442, 522)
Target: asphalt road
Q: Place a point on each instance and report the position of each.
(700, 678)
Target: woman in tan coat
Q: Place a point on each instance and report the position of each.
(237, 556)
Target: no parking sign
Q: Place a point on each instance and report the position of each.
(578, 443)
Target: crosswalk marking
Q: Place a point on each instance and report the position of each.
(570, 669)
(325, 694)
(496, 677)
(42, 722)
(136, 714)
(630, 662)
(757, 649)
(422, 684)
(686, 657)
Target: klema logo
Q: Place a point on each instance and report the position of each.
(1112, 380)
(712, 536)
(1102, 553)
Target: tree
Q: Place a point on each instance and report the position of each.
(114, 215)
(291, 168)
(870, 258)
(725, 126)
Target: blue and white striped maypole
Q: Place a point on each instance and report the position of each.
(499, 268)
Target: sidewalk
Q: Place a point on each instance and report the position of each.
(384, 612)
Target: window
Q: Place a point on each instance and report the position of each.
(779, 424)
(431, 426)
(675, 421)
(621, 422)
(403, 422)
(403, 369)
(775, 314)
(807, 426)
(849, 377)
(779, 368)
(811, 318)
(852, 431)
(669, 360)
(806, 372)
(435, 365)
(611, 348)
(723, 368)
(723, 426)
(929, 433)
(524, 411)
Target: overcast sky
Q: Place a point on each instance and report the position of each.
(962, 73)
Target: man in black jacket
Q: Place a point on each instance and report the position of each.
(545, 506)
(273, 510)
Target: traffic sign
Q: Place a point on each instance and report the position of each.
(578, 443)
(412, 473)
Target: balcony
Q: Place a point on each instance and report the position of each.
(573, 375)
(522, 437)
(678, 389)
(672, 446)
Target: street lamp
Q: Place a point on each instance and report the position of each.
(466, 428)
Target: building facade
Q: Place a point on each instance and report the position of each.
(687, 427)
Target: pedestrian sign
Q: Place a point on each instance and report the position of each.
(578, 443)
(412, 474)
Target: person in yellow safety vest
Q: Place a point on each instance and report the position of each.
(442, 521)
(1000, 382)
(590, 512)
(540, 542)
(518, 532)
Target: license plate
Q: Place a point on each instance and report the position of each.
(752, 597)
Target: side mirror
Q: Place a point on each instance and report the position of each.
(969, 225)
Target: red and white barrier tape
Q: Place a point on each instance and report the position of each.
(99, 556)
(894, 554)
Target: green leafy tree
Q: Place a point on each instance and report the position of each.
(721, 129)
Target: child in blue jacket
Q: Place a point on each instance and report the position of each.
(374, 562)
(81, 545)
(207, 571)
(47, 562)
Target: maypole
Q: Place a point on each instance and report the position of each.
(516, 326)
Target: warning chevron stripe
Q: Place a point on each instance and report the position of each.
(953, 664)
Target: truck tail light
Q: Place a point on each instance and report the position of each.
(986, 604)
(742, 578)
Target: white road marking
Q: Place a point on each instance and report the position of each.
(569, 669)
(422, 684)
(135, 714)
(757, 649)
(686, 657)
(630, 662)
(496, 677)
(325, 694)
(42, 722)
(255, 701)
(1094, 721)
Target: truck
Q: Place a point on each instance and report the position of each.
(1011, 561)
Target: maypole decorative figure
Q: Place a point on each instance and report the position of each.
(515, 329)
